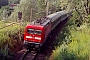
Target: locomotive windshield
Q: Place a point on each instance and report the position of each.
(30, 31)
(33, 31)
(38, 32)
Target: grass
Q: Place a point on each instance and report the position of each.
(2, 24)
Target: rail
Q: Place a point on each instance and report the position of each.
(8, 26)
(31, 55)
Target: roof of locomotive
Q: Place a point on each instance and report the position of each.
(41, 22)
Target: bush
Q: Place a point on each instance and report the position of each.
(9, 37)
(75, 44)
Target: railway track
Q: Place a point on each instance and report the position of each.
(29, 55)
(10, 25)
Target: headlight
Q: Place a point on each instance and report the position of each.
(38, 38)
(28, 36)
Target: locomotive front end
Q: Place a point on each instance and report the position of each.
(33, 36)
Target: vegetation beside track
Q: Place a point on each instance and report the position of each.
(9, 39)
(73, 42)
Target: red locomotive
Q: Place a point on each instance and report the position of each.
(37, 32)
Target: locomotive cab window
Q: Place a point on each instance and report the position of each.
(30, 31)
(38, 32)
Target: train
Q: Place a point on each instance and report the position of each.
(37, 32)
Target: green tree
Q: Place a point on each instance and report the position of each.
(81, 7)
(39, 8)
(25, 7)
